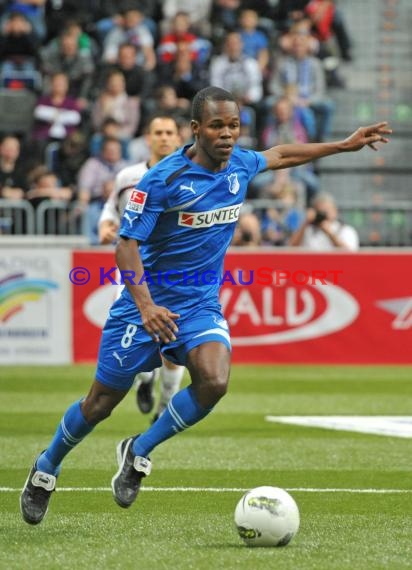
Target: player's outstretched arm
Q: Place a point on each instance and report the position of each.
(289, 155)
(158, 321)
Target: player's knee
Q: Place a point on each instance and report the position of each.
(216, 387)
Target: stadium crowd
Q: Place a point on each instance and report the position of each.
(100, 69)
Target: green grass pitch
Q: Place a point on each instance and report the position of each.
(231, 450)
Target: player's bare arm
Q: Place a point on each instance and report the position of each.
(289, 155)
(158, 321)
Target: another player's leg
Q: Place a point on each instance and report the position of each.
(170, 378)
(209, 366)
(77, 422)
(145, 391)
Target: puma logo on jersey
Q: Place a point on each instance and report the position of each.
(227, 215)
(119, 358)
(129, 219)
(190, 188)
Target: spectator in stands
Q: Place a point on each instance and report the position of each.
(288, 12)
(46, 186)
(255, 42)
(110, 129)
(324, 50)
(279, 223)
(167, 102)
(303, 27)
(111, 13)
(239, 74)
(285, 125)
(198, 11)
(139, 82)
(327, 21)
(321, 14)
(322, 230)
(247, 138)
(286, 214)
(247, 232)
(277, 185)
(325, 16)
(224, 17)
(95, 183)
(87, 44)
(56, 114)
(13, 182)
(131, 30)
(65, 56)
(185, 74)
(33, 11)
(113, 102)
(272, 227)
(301, 77)
(199, 48)
(18, 54)
(67, 158)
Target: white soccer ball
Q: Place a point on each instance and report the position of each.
(267, 516)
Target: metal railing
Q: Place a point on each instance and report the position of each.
(59, 218)
(16, 217)
(50, 217)
(377, 224)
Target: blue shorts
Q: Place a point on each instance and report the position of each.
(127, 349)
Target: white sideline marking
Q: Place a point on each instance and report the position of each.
(216, 490)
(390, 426)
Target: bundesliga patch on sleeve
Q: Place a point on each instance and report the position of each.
(136, 201)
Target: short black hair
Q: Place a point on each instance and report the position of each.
(158, 115)
(209, 94)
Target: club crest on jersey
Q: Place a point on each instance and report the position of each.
(227, 215)
(136, 201)
(234, 185)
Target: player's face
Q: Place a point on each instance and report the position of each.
(163, 137)
(218, 131)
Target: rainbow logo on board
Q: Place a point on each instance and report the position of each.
(16, 290)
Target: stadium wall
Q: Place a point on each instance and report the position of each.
(282, 306)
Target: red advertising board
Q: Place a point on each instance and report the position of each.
(91, 301)
(288, 306)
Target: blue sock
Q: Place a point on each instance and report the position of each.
(72, 429)
(182, 412)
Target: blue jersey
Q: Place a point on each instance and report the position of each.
(184, 217)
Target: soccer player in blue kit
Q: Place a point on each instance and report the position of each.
(175, 231)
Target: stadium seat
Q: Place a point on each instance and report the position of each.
(16, 111)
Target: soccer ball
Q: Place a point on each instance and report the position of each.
(267, 516)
